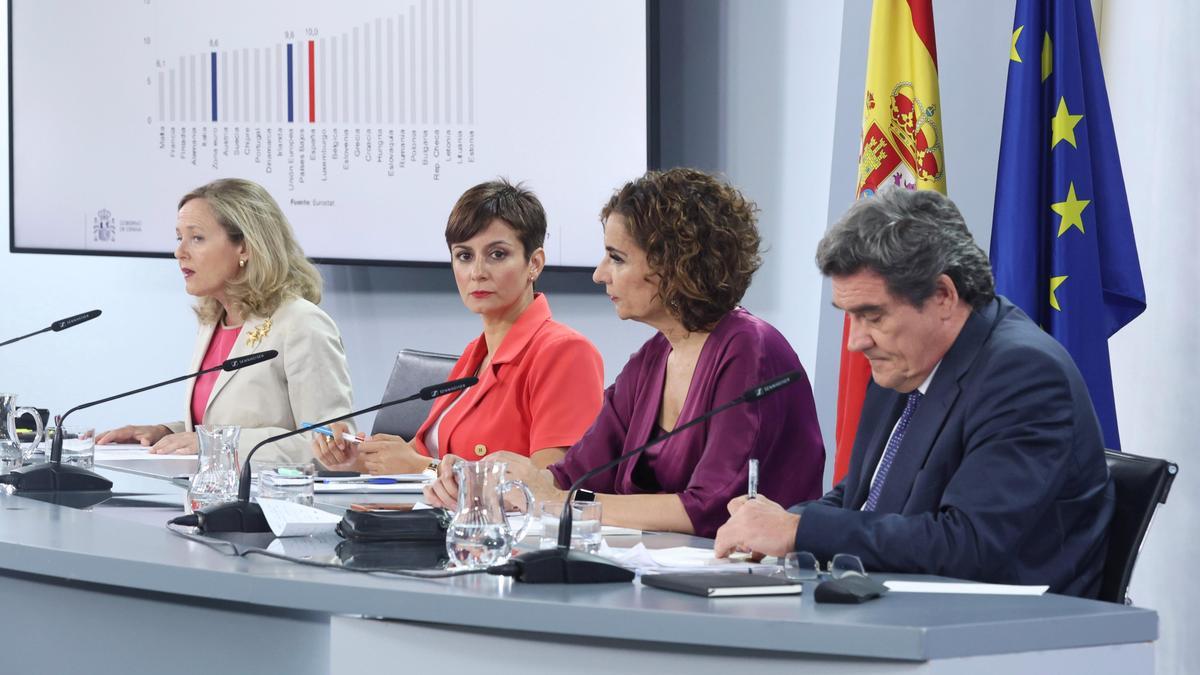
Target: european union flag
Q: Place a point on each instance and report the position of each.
(1062, 239)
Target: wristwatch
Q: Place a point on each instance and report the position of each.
(585, 495)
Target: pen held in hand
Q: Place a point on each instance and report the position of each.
(752, 480)
(326, 431)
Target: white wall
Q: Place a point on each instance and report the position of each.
(1152, 68)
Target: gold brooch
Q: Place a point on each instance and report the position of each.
(255, 336)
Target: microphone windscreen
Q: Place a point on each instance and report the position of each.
(63, 324)
(249, 360)
(771, 386)
(435, 390)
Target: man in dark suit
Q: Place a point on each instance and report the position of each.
(978, 454)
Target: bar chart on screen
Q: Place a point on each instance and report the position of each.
(365, 120)
(391, 93)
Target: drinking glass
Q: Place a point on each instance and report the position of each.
(78, 447)
(292, 482)
(585, 525)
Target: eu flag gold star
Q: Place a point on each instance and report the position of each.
(1062, 125)
(1014, 54)
(1047, 57)
(1055, 282)
(1071, 211)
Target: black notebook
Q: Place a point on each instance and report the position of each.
(722, 584)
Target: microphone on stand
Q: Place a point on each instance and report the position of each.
(52, 476)
(61, 324)
(562, 564)
(246, 516)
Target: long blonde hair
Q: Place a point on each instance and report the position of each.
(275, 268)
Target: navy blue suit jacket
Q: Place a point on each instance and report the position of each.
(1000, 477)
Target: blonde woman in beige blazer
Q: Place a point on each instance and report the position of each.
(256, 292)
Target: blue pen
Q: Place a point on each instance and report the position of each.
(326, 431)
(369, 481)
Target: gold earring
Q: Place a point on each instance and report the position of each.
(241, 263)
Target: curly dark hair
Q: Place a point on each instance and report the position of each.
(700, 237)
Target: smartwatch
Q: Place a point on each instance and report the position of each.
(585, 495)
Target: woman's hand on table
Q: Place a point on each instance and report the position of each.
(443, 492)
(539, 481)
(385, 454)
(143, 434)
(183, 443)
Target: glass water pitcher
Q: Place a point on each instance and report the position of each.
(479, 535)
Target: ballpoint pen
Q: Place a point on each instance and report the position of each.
(326, 431)
(369, 481)
(752, 480)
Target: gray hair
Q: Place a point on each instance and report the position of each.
(910, 238)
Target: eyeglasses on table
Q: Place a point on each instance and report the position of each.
(804, 566)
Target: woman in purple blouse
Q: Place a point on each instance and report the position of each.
(681, 248)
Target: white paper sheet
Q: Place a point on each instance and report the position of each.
(535, 528)
(371, 488)
(289, 519)
(319, 547)
(118, 451)
(678, 559)
(962, 587)
(422, 477)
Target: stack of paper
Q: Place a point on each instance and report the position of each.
(678, 559)
(120, 451)
(398, 483)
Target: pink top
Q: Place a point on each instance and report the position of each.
(222, 343)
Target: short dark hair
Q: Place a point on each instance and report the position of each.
(910, 238)
(516, 205)
(700, 237)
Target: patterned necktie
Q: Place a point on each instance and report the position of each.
(889, 453)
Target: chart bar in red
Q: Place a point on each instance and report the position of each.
(312, 83)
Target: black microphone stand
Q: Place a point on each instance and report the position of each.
(246, 516)
(53, 476)
(61, 324)
(563, 564)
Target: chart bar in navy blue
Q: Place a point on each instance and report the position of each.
(213, 63)
(291, 94)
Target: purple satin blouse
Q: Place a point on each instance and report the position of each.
(706, 465)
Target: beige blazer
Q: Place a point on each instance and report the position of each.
(307, 382)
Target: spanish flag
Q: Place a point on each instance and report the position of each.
(901, 146)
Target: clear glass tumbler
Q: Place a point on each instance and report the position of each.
(292, 482)
(585, 525)
(78, 447)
